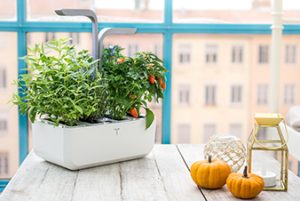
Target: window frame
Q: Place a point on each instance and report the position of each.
(184, 94)
(168, 28)
(210, 95)
(236, 94)
(290, 54)
(289, 94)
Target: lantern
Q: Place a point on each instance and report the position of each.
(277, 145)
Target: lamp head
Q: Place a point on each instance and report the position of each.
(78, 12)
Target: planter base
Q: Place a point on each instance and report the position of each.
(93, 144)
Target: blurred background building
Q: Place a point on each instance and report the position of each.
(218, 80)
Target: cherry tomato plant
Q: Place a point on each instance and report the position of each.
(132, 82)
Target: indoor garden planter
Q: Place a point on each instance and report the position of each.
(89, 145)
(86, 110)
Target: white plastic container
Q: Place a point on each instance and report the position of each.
(90, 145)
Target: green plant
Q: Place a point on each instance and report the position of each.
(62, 84)
(132, 82)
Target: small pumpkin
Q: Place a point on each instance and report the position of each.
(210, 174)
(245, 185)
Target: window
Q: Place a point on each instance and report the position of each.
(206, 23)
(262, 94)
(290, 54)
(210, 95)
(237, 54)
(235, 129)
(184, 133)
(132, 49)
(211, 53)
(236, 94)
(3, 79)
(49, 36)
(3, 125)
(289, 94)
(8, 10)
(184, 53)
(209, 130)
(4, 169)
(184, 94)
(75, 38)
(9, 129)
(263, 54)
(141, 11)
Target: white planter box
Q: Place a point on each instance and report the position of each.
(90, 145)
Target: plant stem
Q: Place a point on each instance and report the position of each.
(245, 173)
(209, 158)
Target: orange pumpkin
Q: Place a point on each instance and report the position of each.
(245, 185)
(210, 174)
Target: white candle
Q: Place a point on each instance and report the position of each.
(268, 177)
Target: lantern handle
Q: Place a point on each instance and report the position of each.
(273, 148)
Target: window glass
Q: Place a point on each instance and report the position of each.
(7, 10)
(262, 94)
(236, 94)
(230, 11)
(289, 94)
(291, 54)
(107, 11)
(237, 53)
(184, 94)
(9, 144)
(210, 94)
(3, 77)
(211, 55)
(263, 54)
(184, 53)
(4, 163)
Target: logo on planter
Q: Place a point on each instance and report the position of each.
(117, 131)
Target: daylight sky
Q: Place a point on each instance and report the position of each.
(193, 4)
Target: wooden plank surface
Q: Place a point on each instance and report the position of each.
(192, 153)
(162, 175)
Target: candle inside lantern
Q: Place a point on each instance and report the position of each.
(269, 177)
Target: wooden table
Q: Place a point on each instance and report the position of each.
(162, 175)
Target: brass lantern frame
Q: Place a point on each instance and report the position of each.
(279, 145)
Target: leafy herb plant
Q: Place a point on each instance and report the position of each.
(61, 85)
(132, 82)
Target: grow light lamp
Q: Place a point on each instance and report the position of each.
(111, 31)
(92, 16)
(97, 37)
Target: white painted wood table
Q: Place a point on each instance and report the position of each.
(162, 175)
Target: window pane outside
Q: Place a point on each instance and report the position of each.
(9, 136)
(227, 94)
(8, 10)
(107, 11)
(230, 11)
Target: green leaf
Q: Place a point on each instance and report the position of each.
(79, 109)
(149, 117)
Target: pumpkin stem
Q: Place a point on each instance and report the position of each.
(209, 158)
(245, 173)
